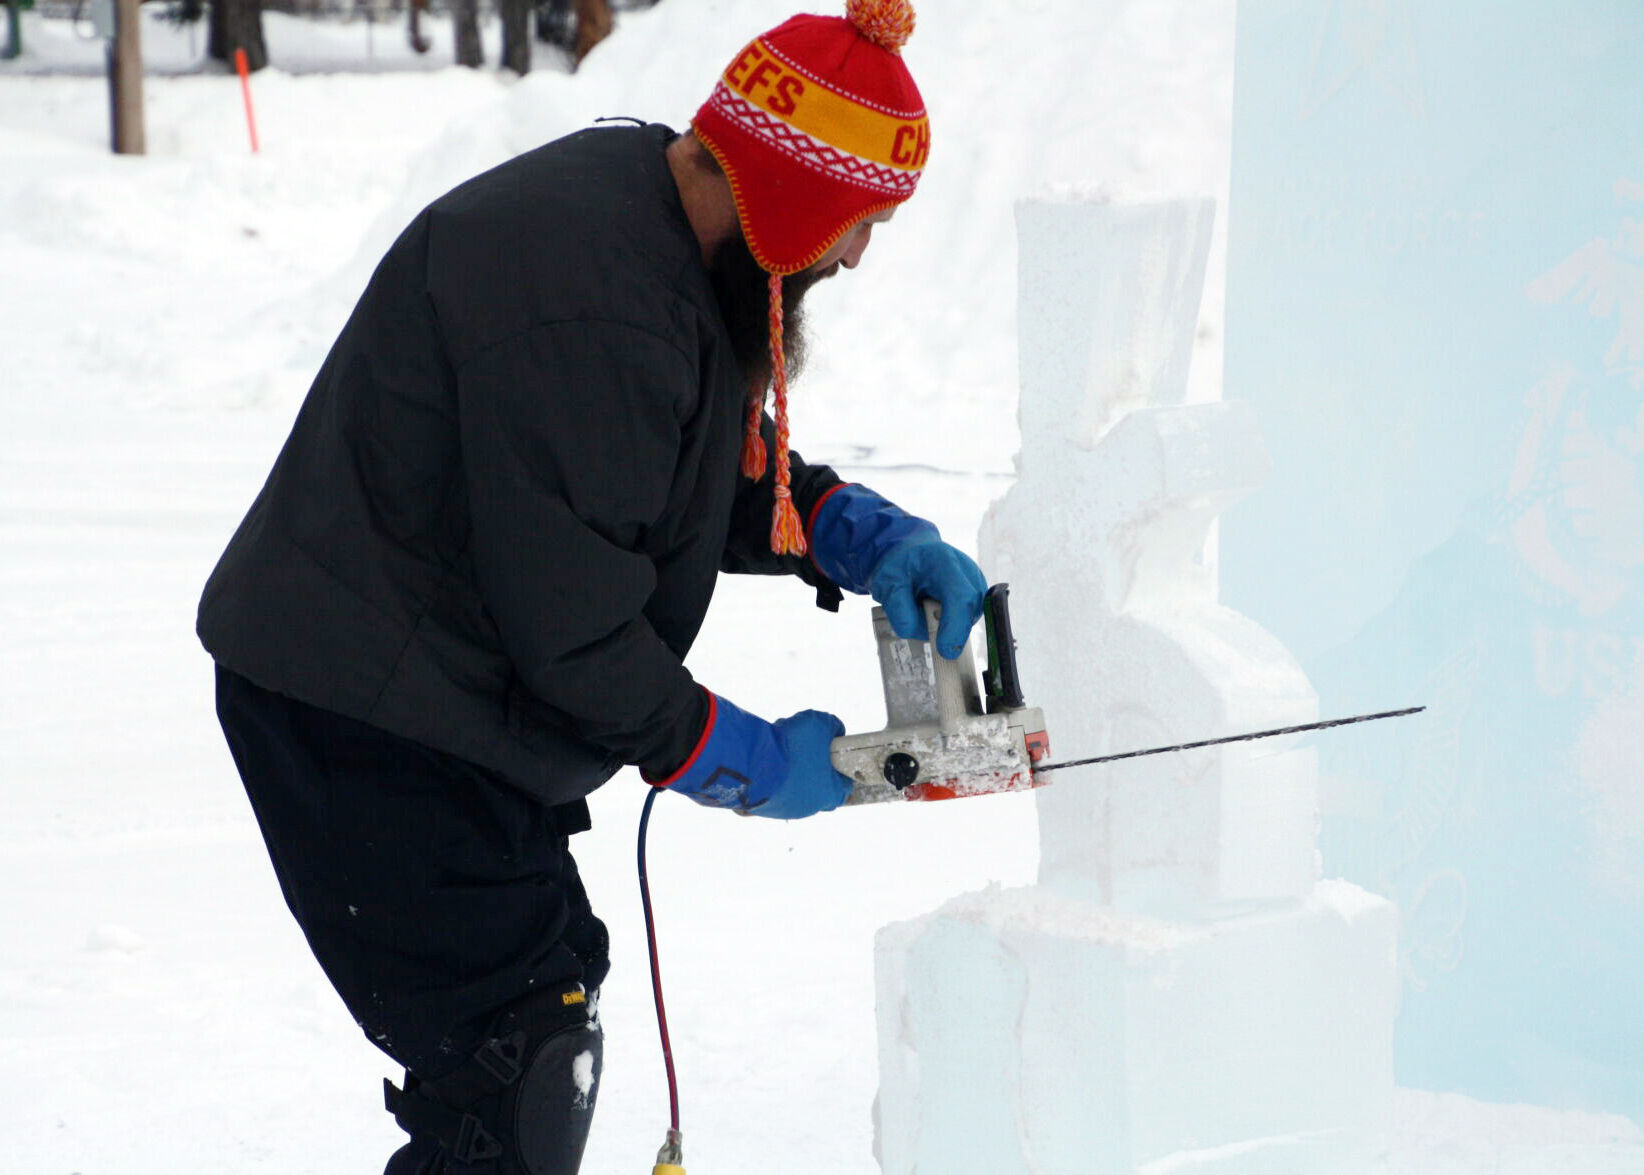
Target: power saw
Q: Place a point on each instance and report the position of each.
(941, 740)
(946, 737)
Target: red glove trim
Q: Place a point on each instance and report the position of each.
(696, 751)
(810, 523)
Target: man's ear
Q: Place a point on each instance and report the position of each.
(703, 157)
(704, 191)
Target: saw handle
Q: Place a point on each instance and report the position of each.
(956, 691)
(1001, 680)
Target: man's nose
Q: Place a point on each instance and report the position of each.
(857, 247)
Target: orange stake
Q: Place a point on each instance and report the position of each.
(245, 88)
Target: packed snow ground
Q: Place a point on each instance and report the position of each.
(160, 319)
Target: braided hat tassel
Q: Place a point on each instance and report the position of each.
(753, 445)
(787, 535)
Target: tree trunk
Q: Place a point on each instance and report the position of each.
(237, 24)
(465, 20)
(14, 32)
(419, 43)
(516, 35)
(125, 78)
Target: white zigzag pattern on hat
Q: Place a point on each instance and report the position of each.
(811, 151)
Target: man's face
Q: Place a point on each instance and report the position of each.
(848, 249)
(742, 289)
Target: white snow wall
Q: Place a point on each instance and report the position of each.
(1180, 991)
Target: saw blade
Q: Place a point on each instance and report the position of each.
(1232, 738)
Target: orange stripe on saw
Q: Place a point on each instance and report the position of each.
(954, 789)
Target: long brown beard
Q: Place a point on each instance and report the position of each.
(743, 289)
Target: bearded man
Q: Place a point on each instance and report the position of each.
(464, 597)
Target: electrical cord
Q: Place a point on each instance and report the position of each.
(670, 1157)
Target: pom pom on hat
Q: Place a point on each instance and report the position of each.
(887, 23)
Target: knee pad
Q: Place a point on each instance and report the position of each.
(523, 1102)
(554, 1105)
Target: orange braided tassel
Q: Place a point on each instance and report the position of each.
(753, 445)
(787, 534)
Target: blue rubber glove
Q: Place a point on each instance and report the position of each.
(930, 568)
(780, 769)
(869, 545)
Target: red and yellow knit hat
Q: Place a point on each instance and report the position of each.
(817, 125)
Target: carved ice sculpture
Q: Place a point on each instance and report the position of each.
(1180, 992)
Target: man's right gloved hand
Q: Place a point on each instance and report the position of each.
(780, 769)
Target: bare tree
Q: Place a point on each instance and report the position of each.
(413, 30)
(237, 24)
(14, 31)
(465, 21)
(516, 35)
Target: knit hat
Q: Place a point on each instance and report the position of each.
(817, 124)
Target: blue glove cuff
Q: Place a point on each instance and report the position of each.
(736, 763)
(853, 528)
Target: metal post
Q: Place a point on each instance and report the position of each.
(125, 75)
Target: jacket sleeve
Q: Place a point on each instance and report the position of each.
(748, 549)
(570, 433)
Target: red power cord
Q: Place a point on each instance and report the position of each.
(656, 971)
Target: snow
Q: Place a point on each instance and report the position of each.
(1216, 1156)
(160, 319)
(582, 1075)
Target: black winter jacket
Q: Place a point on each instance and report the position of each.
(496, 525)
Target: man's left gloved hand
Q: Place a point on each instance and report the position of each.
(782, 769)
(867, 544)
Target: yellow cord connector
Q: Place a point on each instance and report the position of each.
(671, 1158)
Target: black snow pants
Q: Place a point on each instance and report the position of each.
(446, 909)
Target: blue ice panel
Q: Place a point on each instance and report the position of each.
(1436, 304)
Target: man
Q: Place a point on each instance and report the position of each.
(463, 598)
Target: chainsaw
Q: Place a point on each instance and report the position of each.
(946, 737)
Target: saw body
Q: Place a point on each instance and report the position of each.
(943, 739)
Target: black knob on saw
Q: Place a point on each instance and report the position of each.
(901, 770)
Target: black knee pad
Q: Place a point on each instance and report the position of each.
(523, 1103)
(555, 1101)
